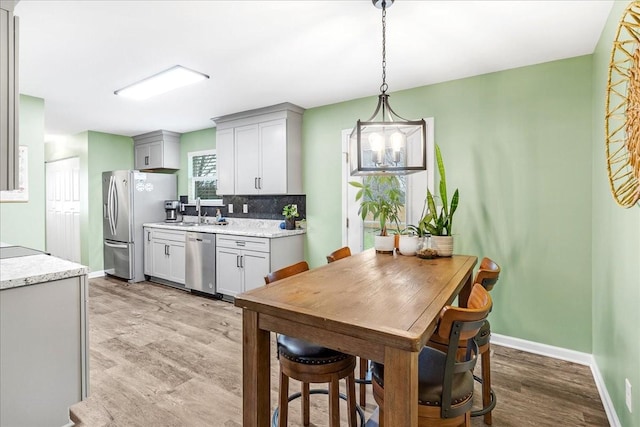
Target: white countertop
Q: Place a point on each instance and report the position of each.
(32, 269)
(237, 226)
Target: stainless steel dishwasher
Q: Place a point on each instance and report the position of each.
(201, 262)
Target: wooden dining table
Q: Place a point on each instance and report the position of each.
(380, 307)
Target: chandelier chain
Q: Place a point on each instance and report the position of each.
(384, 86)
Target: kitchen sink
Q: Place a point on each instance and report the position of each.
(187, 224)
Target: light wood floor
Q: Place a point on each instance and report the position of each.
(163, 357)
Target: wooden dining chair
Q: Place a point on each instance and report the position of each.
(311, 363)
(336, 255)
(487, 276)
(445, 378)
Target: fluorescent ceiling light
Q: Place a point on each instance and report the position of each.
(162, 82)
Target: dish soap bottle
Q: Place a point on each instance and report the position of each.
(218, 215)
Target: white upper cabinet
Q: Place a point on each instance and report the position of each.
(157, 150)
(260, 151)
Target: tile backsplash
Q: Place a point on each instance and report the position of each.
(263, 207)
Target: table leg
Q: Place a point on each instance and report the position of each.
(463, 296)
(400, 387)
(256, 373)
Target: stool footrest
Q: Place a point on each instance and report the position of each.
(487, 408)
(274, 419)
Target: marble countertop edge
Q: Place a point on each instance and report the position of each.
(34, 269)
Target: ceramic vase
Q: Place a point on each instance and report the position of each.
(384, 243)
(408, 245)
(443, 244)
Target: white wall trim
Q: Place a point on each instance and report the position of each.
(95, 274)
(543, 349)
(570, 356)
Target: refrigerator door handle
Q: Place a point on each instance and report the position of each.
(115, 206)
(116, 245)
(109, 204)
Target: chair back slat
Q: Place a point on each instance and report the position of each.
(478, 307)
(339, 254)
(488, 273)
(285, 272)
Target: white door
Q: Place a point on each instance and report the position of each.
(63, 208)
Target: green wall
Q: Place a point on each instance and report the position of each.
(204, 139)
(22, 223)
(106, 153)
(518, 146)
(97, 152)
(615, 263)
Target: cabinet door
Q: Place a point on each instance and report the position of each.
(255, 266)
(228, 272)
(273, 151)
(141, 155)
(160, 259)
(148, 252)
(177, 260)
(247, 155)
(156, 157)
(226, 161)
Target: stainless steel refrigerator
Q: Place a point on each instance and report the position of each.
(131, 198)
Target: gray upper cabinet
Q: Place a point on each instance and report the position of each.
(157, 150)
(260, 151)
(9, 97)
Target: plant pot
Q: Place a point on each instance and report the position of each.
(408, 245)
(384, 244)
(290, 223)
(443, 244)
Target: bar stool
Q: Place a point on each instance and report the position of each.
(487, 276)
(311, 363)
(445, 378)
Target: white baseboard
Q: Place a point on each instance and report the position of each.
(543, 349)
(95, 274)
(570, 356)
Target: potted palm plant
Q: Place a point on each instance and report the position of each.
(380, 196)
(290, 213)
(439, 224)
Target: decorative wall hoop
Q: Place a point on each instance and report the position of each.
(622, 115)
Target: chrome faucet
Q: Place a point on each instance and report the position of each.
(198, 209)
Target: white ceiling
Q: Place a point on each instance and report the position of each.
(74, 54)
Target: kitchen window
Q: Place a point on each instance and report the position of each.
(203, 176)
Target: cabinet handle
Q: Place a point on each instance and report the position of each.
(241, 261)
(146, 160)
(259, 183)
(148, 236)
(240, 243)
(238, 261)
(255, 182)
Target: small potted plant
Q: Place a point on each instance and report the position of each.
(408, 242)
(380, 196)
(439, 224)
(290, 213)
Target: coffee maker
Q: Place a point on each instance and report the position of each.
(171, 210)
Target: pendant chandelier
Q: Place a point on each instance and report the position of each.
(387, 144)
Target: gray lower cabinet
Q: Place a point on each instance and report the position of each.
(44, 352)
(165, 255)
(242, 261)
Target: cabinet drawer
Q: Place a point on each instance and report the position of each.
(175, 236)
(259, 244)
